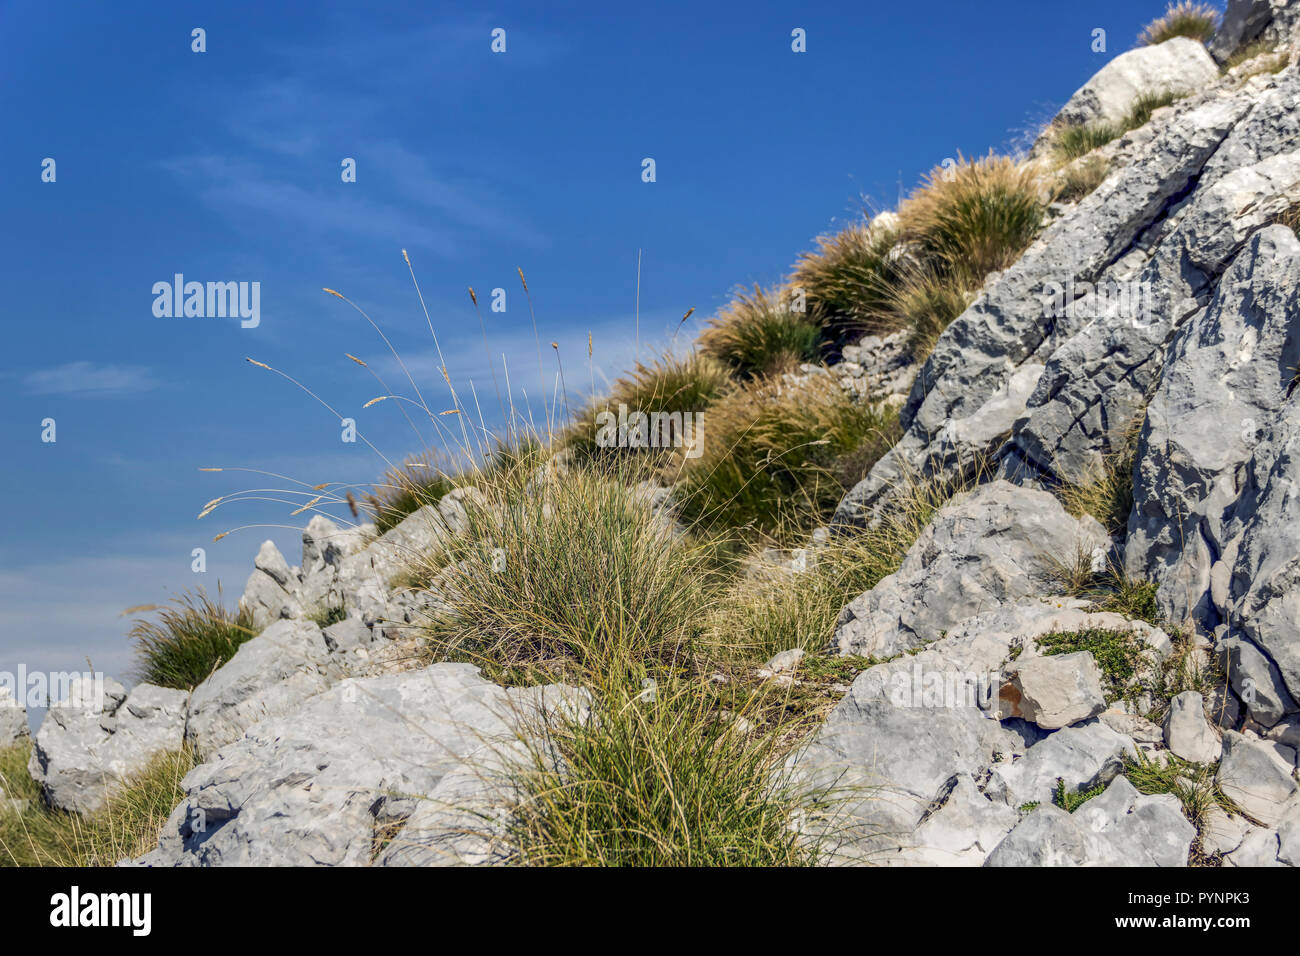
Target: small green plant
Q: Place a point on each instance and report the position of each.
(189, 640)
(1071, 142)
(1131, 597)
(1139, 114)
(1071, 801)
(126, 826)
(1080, 179)
(1187, 18)
(757, 335)
(420, 480)
(1118, 654)
(323, 617)
(924, 303)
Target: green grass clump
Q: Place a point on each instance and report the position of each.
(569, 574)
(758, 335)
(845, 281)
(1071, 142)
(189, 640)
(1187, 18)
(1139, 114)
(666, 780)
(773, 459)
(974, 217)
(924, 303)
(671, 384)
(1193, 784)
(126, 826)
(1118, 654)
(1107, 494)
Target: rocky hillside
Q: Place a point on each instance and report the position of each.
(1118, 404)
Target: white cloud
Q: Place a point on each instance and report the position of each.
(88, 380)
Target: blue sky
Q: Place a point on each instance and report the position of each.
(225, 166)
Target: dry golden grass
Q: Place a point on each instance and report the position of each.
(1187, 18)
(974, 217)
(126, 826)
(846, 279)
(757, 334)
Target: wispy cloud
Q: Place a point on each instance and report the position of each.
(87, 380)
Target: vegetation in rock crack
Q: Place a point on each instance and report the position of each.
(1071, 142)
(1118, 655)
(766, 613)
(758, 335)
(1071, 801)
(778, 458)
(125, 827)
(1266, 60)
(1194, 785)
(1080, 179)
(924, 302)
(189, 640)
(1107, 494)
(1187, 18)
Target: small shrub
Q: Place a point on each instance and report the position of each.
(758, 335)
(1069, 802)
(1081, 179)
(770, 456)
(1134, 598)
(846, 280)
(1187, 18)
(974, 218)
(190, 640)
(126, 826)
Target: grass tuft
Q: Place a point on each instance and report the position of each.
(758, 335)
(845, 281)
(974, 217)
(188, 641)
(1081, 179)
(777, 458)
(1187, 18)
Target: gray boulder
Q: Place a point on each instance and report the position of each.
(1255, 680)
(1254, 778)
(270, 675)
(996, 545)
(86, 750)
(340, 779)
(1082, 757)
(1117, 828)
(960, 830)
(1245, 21)
(13, 719)
(1222, 383)
(1187, 733)
(1179, 65)
(1054, 692)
